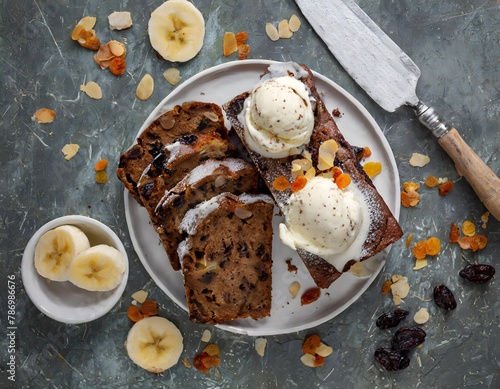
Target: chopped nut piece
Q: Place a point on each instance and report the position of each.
(229, 45)
(120, 20)
(211, 116)
(167, 122)
(145, 87)
(294, 288)
(357, 269)
(260, 346)
(294, 23)
(413, 198)
(419, 160)
(140, 296)
(272, 32)
(422, 316)
(468, 228)
(372, 168)
(445, 188)
(116, 48)
(186, 363)
(44, 116)
(484, 218)
(420, 264)
(397, 277)
(431, 182)
(87, 22)
(92, 90)
(284, 29)
(70, 150)
(310, 173)
(172, 75)
(405, 200)
(206, 336)
(220, 181)
(84, 34)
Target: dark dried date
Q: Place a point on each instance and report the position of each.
(407, 338)
(391, 319)
(444, 298)
(478, 273)
(391, 359)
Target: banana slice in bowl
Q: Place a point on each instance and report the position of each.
(176, 30)
(63, 300)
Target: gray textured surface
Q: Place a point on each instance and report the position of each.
(456, 46)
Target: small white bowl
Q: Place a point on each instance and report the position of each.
(63, 301)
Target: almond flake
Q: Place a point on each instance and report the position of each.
(284, 30)
(357, 269)
(272, 32)
(260, 346)
(172, 75)
(140, 296)
(206, 336)
(323, 350)
(92, 89)
(242, 213)
(422, 316)
(120, 20)
(145, 87)
(294, 23)
(44, 116)
(310, 173)
(88, 22)
(308, 360)
(116, 48)
(70, 150)
(419, 160)
(167, 122)
(400, 290)
(420, 264)
(294, 288)
(211, 116)
(326, 154)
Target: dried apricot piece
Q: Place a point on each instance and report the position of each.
(299, 183)
(117, 66)
(44, 116)
(482, 241)
(433, 246)
(311, 343)
(431, 182)
(464, 242)
(386, 287)
(420, 249)
(134, 314)
(372, 168)
(212, 349)
(336, 172)
(445, 188)
(367, 152)
(468, 228)
(411, 186)
(243, 51)
(149, 308)
(198, 362)
(343, 180)
(281, 183)
(101, 165)
(241, 37)
(413, 198)
(229, 45)
(454, 233)
(319, 360)
(405, 200)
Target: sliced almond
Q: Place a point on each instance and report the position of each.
(304, 164)
(272, 32)
(357, 269)
(324, 350)
(422, 316)
(167, 122)
(70, 150)
(145, 87)
(206, 336)
(260, 346)
(400, 290)
(294, 288)
(419, 160)
(92, 89)
(294, 23)
(116, 48)
(420, 264)
(284, 29)
(308, 360)
(120, 20)
(211, 116)
(229, 44)
(140, 296)
(88, 22)
(326, 154)
(242, 213)
(310, 173)
(220, 181)
(75, 34)
(172, 75)
(44, 116)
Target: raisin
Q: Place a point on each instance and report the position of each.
(444, 298)
(204, 123)
(391, 319)
(407, 338)
(391, 360)
(478, 273)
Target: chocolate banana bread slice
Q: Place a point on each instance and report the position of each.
(205, 181)
(227, 258)
(189, 118)
(383, 229)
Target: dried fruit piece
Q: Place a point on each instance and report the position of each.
(406, 339)
(343, 180)
(431, 182)
(101, 177)
(391, 360)
(272, 32)
(367, 152)
(311, 343)
(243, 51)
(413, 198)
(117, 66)
(454, 233)
(318, 360)
(372, 168)
(419, 160)
(229, 44)
(405, 200)
(420, 249)
(391, 319)
(445, 188)
(410, 186)
(84, 34)
(241, 37)
(145, 87)
(478, 273)
(310, 296)
(484, 218)
(443, 297)
(433, 246)
(421, 316)
(203, 362)
(212, 349)
(92, 90)
(294, 288)
(44, 116)
(70, 150)
(386, 287)
(468, 228)
(294, 23)
(260, 346)
(299, 183)
(408, 240)
(101, 165)
(284, 29)
(149, 308)
(134, 314)
(481, 241)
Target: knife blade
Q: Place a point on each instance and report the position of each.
(389, 76)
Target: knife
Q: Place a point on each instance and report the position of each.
(390, 78)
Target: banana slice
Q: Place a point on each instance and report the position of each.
(155, 344)
(99, 268)
(56, 249)
(176, 30)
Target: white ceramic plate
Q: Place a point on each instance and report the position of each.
(63, 301)
(219, 85)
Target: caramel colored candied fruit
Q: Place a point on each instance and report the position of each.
(117, 66)
(431, 182)
(229, 44)
(134, 314)
(311, 343)
(445, 188)
(281, 183)
(149, 308)
(433, 246)
(299, 183)
(101, 165)
(343, 180)
(454, 233)
(386, 287)
(420, 249)
(372, 168)
(468, 228)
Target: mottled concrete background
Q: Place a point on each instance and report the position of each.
(455, 43)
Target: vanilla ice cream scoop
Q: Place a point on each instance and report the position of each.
(326, 221)
(278, 117)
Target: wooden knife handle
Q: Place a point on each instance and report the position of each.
(481, 178)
